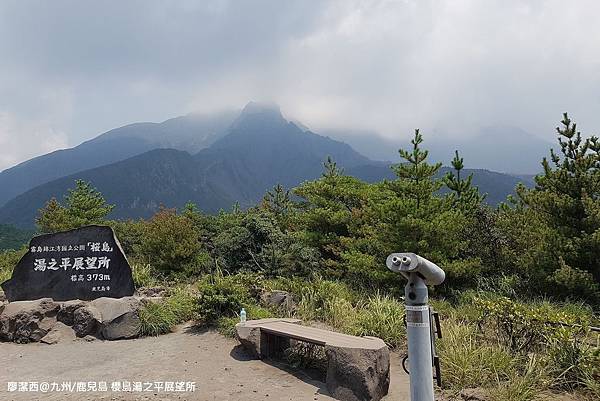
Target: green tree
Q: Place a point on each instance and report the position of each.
(415, 175)
(463, 193)
(171, 245)
(416, 217)
(83, 206)
(331, 208)
(278, 202)
(567, 198)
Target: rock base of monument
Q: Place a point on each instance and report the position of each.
(48, 321)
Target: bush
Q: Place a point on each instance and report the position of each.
(143, 275)
(129, 234)
(224, 296)
(156, 318)
(524, 327)
(161, 317)
(171, 245)
(8, 261)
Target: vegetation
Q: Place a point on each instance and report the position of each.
(523, 279)
(13, 238)
(161, 317)
(83, 206)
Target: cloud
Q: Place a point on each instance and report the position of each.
(21, 140)
(389, 66)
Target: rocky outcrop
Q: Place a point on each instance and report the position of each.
(60, 332)
(67, 311)
(279, 299)
(28, 321)
(50, 322)
(119, 317)
(86, 321)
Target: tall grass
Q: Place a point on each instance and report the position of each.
(467, 362)
(161, 317)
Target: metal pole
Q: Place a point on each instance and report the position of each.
(418, 332)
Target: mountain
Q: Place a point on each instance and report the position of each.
(192, 133)
(260, 150)
(498, 148)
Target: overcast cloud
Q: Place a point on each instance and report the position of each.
(70, 70)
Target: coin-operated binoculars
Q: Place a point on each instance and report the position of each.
(420, 272)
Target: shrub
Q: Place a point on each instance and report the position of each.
(224, 296)
(525, 327)
(161, 317)
(183, 304)
(143, 275)
(129, 234)
(8, 261)
(171, 244)
(156, 318)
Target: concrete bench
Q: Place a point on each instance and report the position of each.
(358, 368)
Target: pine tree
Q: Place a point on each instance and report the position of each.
(567, 196)
(415, 175)
(464, 194)
(84, 205)
(331, 168)
(277, 201)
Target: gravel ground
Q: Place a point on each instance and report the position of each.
(216, 365)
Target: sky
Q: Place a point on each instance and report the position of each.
(70, 70)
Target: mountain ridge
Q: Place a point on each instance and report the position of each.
(259, 150)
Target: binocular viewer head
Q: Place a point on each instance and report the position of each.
(406, 263)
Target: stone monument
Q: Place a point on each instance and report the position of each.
(85, 263)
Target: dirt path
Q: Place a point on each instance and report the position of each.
(220, 370)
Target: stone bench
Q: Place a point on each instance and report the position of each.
(358, 368)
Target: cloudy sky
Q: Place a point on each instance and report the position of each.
(70, 70)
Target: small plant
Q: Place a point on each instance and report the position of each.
(221, 297)
(161, 317)
(156, 318)
(143, 275)
(381, 316)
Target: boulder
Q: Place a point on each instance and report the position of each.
(279, 299)
(27, 321)
(151, 292)
(59, 333)
(120, 317)
(86, 320)
(358, 374)
(67, 311)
